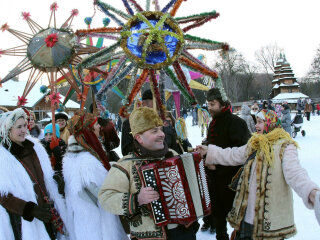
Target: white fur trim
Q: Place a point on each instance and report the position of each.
(73, 145)
(89, 221)
(14, 179)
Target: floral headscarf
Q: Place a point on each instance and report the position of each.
(272, 133)
(81, 127)
(271, 120)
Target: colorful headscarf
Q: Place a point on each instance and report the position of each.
(7, 120)
(272, 133)
(81, 127)
(270, 118)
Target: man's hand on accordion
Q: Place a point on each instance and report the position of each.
(147, 195)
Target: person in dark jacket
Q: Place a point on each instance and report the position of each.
(56, 148)
(118, 124)
(286, 118)
(126, 137)
(308, 109)
(110, 138)
(225, 130)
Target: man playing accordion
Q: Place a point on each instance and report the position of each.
(123, 192)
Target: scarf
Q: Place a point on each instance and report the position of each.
(262, 143)
(142, 152)
(81, 127)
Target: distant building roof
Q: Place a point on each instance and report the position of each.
(11, 90)
(290, 97)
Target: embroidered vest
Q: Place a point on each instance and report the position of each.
(274, 202)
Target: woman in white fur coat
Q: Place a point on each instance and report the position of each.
(263, 205)
(26, 183)
(85, 166)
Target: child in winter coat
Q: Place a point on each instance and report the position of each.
(263, 206)
(55, 148)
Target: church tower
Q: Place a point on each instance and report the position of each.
(283, 79)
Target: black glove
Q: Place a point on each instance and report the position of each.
(42, 213)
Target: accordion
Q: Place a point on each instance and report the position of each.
(182, 185)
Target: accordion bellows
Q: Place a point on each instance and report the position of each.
(182, 186)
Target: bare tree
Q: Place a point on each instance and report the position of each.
(314, 73)
(229, 68)
(267, 57)
(248, 73)
(236, 74)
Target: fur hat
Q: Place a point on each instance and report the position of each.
(214, 94)
(270, 118)
(147, 95)
(49, 129)
(143, 119)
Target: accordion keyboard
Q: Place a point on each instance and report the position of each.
(157, 207)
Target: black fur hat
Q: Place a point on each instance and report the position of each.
(147, 95)
(214, 94)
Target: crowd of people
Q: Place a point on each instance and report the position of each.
(67, 182)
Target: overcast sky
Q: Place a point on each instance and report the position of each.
(246, 25)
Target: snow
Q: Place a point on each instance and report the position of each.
(289, 85)
(11, 90)
(286, 96)
(306, 223)
(283, 73)
(286, 78)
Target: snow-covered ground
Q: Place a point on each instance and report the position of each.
(309, 153)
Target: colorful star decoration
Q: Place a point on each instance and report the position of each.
(150, 44)
(36, 57)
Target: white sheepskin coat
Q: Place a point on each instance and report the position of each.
(14, 179)
(89, 221)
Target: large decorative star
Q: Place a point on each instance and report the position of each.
(148, 44)
(47, 50)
